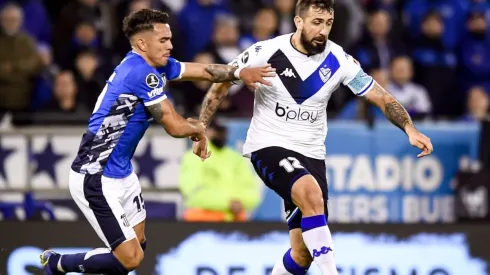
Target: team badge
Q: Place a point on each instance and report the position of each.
(325, 74)
(152, 81)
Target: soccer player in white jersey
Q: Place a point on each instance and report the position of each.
(286, 138)
(101, 180)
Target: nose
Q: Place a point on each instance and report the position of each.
(170, 46)
(324, 31)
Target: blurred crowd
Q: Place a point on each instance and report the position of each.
(55, 56)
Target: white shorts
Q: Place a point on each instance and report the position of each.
(112, 206)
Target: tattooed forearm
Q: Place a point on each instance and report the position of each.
(221, 73)
(156, 111)
(391, 108)
(397, 114)
(211, 102)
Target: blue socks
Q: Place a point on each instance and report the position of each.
(100, 260)
(318, 239)
(309, 223)
(291, 266)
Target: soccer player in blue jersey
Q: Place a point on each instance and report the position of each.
(101, 180)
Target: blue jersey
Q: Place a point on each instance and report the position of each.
(119, 119)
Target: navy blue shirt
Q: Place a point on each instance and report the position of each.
(119, 119)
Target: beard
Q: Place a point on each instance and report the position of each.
(311, 47)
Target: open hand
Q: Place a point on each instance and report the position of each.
(251, 76)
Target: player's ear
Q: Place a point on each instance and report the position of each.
(140, 43)
(298, 21)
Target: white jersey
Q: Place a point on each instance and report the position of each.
(293, 112)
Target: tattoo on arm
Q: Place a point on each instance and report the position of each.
(393, 110)
(156, 111)
(210, 104)
(221, 73)
(397, 114)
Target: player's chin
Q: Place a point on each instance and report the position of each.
(164, 60)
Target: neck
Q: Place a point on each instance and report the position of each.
(143, 55)
(296, 41)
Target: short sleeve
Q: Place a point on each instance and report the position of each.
(254, 56)
(173, 70)
(355, 78)
(147, 84)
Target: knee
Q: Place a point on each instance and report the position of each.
(301, 256)
(132, 260)
(308, 196)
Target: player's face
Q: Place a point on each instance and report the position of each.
(159, 44)
(316, 27)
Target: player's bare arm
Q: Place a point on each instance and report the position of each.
(174, 124)
(210, 104)
(399, 116)
(215, 95)
(219, 73)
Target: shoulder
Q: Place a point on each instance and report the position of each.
(140, 71)
(339, 52)
(269, 45)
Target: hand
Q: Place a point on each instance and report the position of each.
(199, 126)
(200, 148)
(236, 207)
(250, 76)
(419, 140)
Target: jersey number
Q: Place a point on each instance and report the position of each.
(290, 163)
(140, 203)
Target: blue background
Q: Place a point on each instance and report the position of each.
(451, 141)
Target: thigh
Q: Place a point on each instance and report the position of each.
(99, 199)
(279, 169)
(134, 205)
(318, 170)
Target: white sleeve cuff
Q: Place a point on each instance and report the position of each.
(155, 101)
(182, 70)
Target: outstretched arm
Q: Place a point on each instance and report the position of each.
(212, 72)
(219, 73)
(399, 116)
(391, 108)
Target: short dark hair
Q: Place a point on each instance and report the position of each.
(143, 20)
(303, 5)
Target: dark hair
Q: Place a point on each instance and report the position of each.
(143, 20)
(303, 5)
